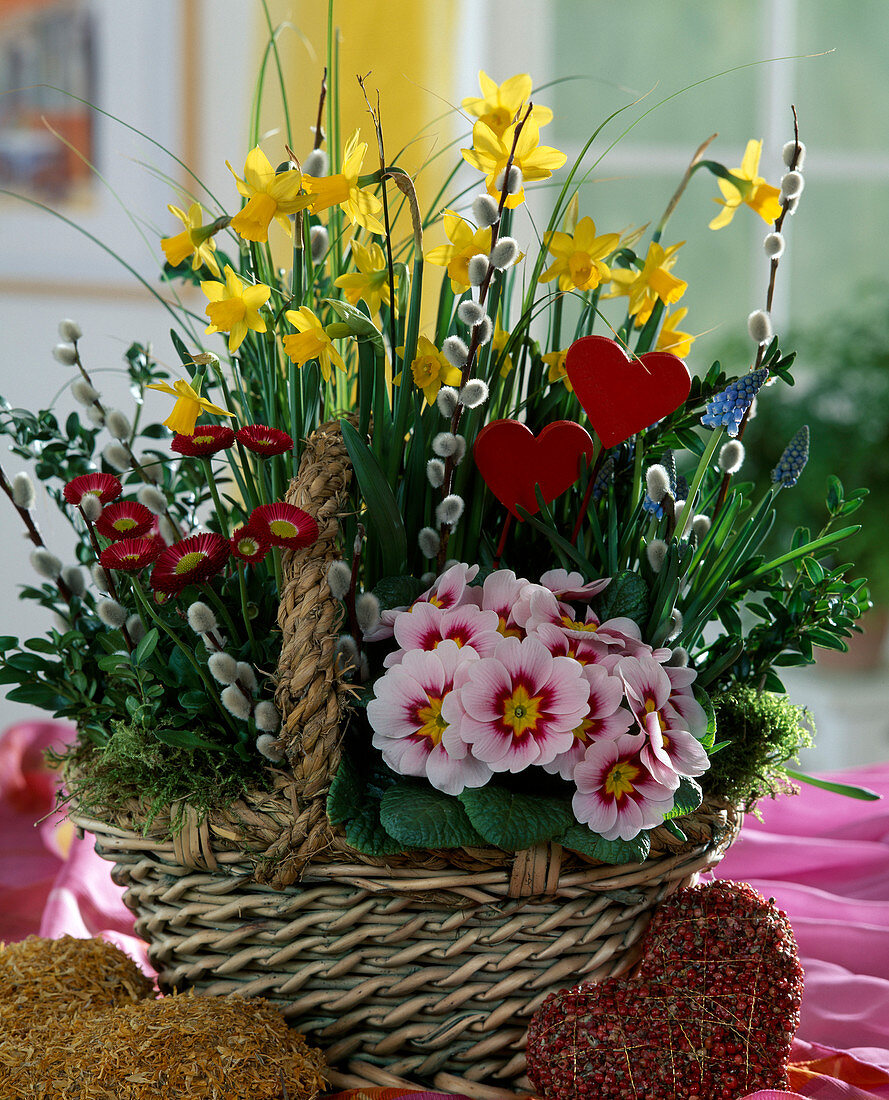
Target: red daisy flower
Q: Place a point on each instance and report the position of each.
(248, 544)
(262, 440)
(130, 555)
(127, 519)
(284, 525)
(207, 440)
(104, 486)
(190, 561)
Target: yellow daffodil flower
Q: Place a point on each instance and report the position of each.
(371, 281)
(431, 370)
(555, 360)
(466, 242)
(671, 339)
(359, 204)
(759, 195)
(196, 240)
(311, 341)
(579, 257)
(490, 153)
(234, 307)
(652, 282)
(269, 195)
(502, 104)
(498, 342)
(189, 404)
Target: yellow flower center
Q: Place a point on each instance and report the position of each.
(573, 624)
(619, 781)
(225, 314)
(521, 711)
(125, 523)
(201, 440)
(651, 708)
(432, 725)
(283, 529)
(509, 631)
(581, 268)
(189, 562)
(425, 370)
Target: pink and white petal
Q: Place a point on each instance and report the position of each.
(611, 726)
(405, 756)
(572, 586)
(384, 628)
(620, 631)
(420, 627)
(606, 691)
(452, 775)
(644, 680)
(685, 712)
(486, 683)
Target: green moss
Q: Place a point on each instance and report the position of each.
(134, 764)
(763, 730)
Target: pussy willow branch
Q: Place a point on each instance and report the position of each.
(319, 127)
(34, 535)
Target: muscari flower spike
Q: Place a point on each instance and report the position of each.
(792, 463)
(728, 408)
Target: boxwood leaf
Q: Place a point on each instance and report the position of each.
(426, 818)
(513, 820)
(581, 839)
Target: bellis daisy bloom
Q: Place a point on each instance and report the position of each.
(521, 705)
(578, 258)
(130, 555)
(360, 205)
(234, 308)
(490, 153)
(409, 717)
(501, 104)
(283, 525)
(105, 487)
(616, 795)
(311, 341)
(262, 440)
(125, 519)
(371, 281)
(207, 440)
(466, 242)
(269, 195)
(193, 560)
(189, 404)
(753, 192)
(248, 544)
(196, 240)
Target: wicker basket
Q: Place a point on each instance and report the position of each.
(418, 969)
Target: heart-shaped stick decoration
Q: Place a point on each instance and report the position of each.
(621, 396)
(512, 460)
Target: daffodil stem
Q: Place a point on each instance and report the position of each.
(704, 463)
(221, 514)
(245, 610)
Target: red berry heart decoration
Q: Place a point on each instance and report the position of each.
(512, 460)
(620, 395)
(710, 1012)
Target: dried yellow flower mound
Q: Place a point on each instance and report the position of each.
(193, 1048)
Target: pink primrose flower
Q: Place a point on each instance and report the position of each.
(521, 706)
(502, 591)
(572, 586)
(682, 703)
(409, 717)
(587, 650)
(605, 718)
(425, 626)
(616, 795)
(449, 590)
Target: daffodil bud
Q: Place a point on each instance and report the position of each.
(23, 494)
(72, 576)
(367, 611)
(70, 331)
(435, 472)
(339, 579)
(82, 392)
(66, 354)
(235, 702)
(504, 253)
(111, 613)
(774, 245)
(266, 717)
(317, 163)
(455, 351)
(657, 482)
(223, 668)
(731, 456)
(656, 552)
(791, 149)
(477, 270)
(449, 510)
(201, 618)
(485, 210)
(319, 243)
(117, 424)
(512, 183)
(792, 184)
(447, 401)
(470, 313)
(46, 564)
(444, 444)
(474, 393)
(759, 325)
(117, 457)
(429, 542)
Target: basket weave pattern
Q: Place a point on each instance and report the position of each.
(421, 968)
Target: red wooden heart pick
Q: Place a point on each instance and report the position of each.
(710, 1013)
(512, 460)
(621, 396)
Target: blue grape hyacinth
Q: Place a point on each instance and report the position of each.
(792, 463)
(728, 408)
